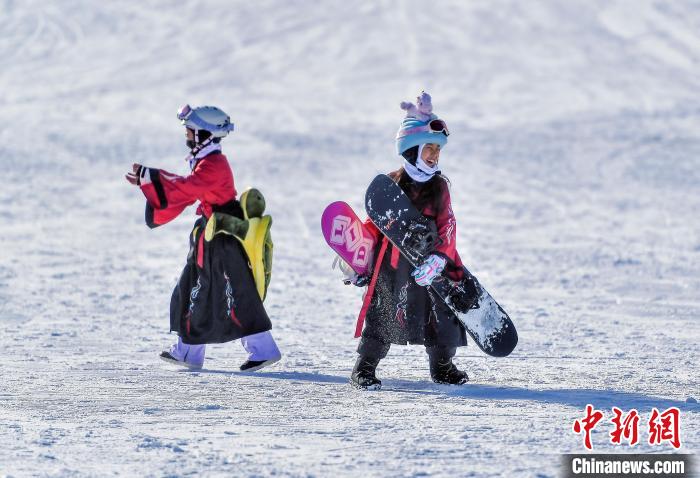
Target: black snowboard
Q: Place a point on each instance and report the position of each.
(415, 235)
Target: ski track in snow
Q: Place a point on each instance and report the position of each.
(575, 167)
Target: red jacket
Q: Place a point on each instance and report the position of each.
(167, 195)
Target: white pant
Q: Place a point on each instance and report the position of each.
(259, 347)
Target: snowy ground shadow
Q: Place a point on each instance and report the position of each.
(578, 398)
(292, 376)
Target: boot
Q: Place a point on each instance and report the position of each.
(255, 365)
(442, 370)
(363, 375)
(168, 357)
(262, 351)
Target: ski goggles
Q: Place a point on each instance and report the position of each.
(208, 118)
(189, 117)
(186, 114)
(435, 126)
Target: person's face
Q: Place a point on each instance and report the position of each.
(189, 133)
(430, 154)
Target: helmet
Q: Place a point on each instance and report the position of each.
(414, 132)
(207, 118)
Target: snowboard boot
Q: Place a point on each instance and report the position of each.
(262, 351)
(255, 365)
(363, 375)
(168, 357)
(443, 371)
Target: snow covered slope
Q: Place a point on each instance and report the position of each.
(575, 168)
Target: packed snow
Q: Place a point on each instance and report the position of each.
(574, 159)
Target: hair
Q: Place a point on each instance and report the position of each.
(411, 155)
(203, 135)
(429, 192)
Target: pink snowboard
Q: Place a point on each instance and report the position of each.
(346, 235)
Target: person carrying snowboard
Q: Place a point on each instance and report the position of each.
(216, 299)
(399, 306)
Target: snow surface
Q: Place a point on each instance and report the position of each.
(575, 168)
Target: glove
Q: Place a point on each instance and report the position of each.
(429, 270)
(358, 280)
(134, 176)
(349, 275)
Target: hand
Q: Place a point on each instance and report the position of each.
(429, 270)
(358, 280)
(349, 275)
(134, 176)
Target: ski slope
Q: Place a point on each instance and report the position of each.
(574, 159)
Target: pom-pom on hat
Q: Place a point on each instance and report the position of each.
(420, 126)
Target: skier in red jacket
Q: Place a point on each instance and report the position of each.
(216, 299)
(399, 306)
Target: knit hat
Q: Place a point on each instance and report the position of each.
(417, 127)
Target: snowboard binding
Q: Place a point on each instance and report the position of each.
(421, 238)
(465, 295)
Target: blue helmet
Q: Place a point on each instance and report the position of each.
(414, 132)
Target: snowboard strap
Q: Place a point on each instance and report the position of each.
(200, 248)
(370, 289)
(395, 258)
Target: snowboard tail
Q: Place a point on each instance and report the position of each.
(346, 235)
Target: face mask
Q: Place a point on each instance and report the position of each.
(420, 172)
(420, 164)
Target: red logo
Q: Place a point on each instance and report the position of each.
(662, 427)
(587, 424)
(665, 427)
(627, 427)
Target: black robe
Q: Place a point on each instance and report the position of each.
(217, 302)
(403, 312)
(215, 299)
(399, 310)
